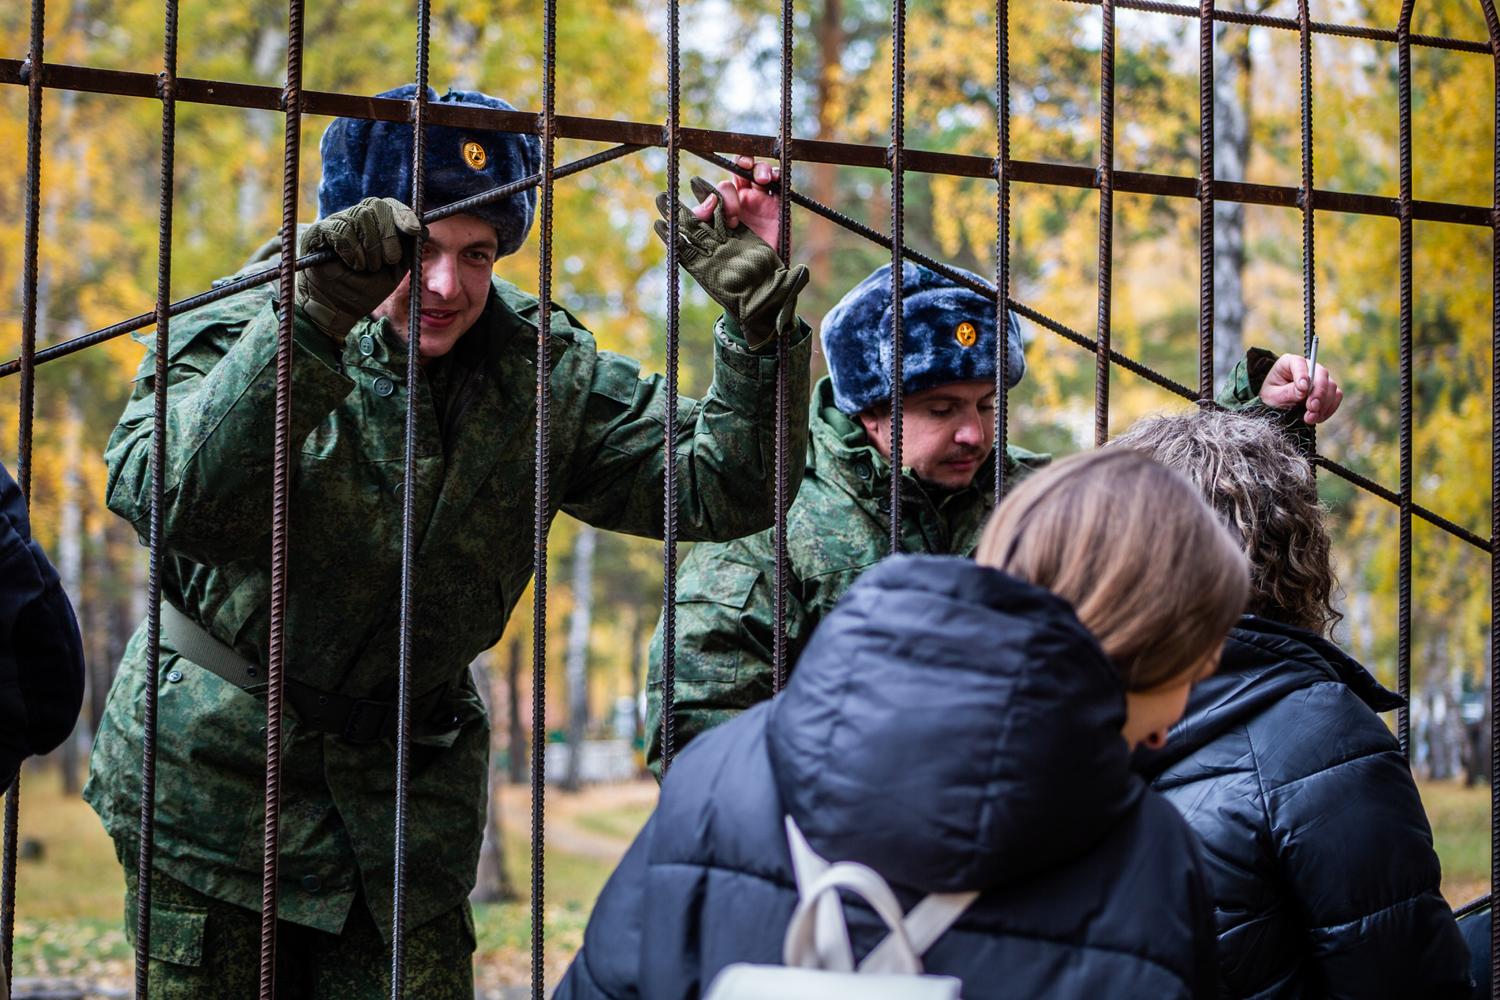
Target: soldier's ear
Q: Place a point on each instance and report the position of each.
(875, 421)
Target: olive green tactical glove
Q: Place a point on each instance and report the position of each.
(738, 269)
(372, 243)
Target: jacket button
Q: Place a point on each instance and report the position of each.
(862, 470)
(384, 386)
(312, 883)
(367, 345)
(400, 488)
(174, 676)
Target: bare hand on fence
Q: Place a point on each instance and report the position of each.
(748, 202)
(1287, 385)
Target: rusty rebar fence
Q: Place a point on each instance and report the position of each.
(628, 137)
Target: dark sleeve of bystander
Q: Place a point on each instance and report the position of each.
(41, 652)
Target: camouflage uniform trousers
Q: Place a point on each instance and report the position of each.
(204, 947)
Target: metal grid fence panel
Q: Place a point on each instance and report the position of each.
(630, 137)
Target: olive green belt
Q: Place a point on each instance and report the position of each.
(358, 720)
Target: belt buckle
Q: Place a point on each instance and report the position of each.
(366, 721)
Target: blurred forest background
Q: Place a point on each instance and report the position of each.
(100, 189)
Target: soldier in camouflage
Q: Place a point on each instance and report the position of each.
(839, 523)
(472, 491)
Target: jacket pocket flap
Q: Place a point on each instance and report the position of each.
(729, 583)
(176, 932)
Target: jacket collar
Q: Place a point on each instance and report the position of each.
(843, 454)
(1263, 662)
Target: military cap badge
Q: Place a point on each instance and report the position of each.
(474, 155)
(966, 334)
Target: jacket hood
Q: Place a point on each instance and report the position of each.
(962, 723)
(1263, 662)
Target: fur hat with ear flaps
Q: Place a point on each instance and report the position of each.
(948, 334)
(365, 159)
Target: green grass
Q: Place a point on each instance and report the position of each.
(70, 900)
(571, 886)
(77, 875)
(85, 947)
(1461, 832)
(621, 824)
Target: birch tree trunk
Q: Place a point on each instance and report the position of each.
(823, 177)
(638, 635)
(517, 735)
(578, 651)
(70, 552)
(492, 882)
(1232, 91)
(97, 622)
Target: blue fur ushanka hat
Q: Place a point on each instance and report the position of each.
(948, 334)
(372, 159)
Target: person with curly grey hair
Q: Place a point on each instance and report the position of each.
(1320, 856)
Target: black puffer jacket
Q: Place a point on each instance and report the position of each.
(1318, 851)
(41, 654)
(954, 729)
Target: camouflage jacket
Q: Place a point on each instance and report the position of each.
(838, 526)
(473, 490)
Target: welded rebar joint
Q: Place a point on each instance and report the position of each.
(166, 87)
(23, 75)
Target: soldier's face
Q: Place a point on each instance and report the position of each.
(946, 431)
(458, 257)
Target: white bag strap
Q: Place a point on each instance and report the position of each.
(824, 944)
(799, 948)
(927, 921)
(831, 948)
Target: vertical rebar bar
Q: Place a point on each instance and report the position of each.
(167, 89)
(669, 417)
(1206, 199)
(30, 279)
(408, 508)
(897, 156)
(1403, 575)
(542, 498)
(1002, 242)
(34, 68)
(1106, 178)
(1305, 195)
(1492, 23)
(281, 475)
(784, 247)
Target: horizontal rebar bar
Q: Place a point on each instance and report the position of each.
(224, 291)
(1122, 181)
(695, 140)
(1290, 24)
(1088, 343)
(1392, 497)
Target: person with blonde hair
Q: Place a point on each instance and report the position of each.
(1321, 862)
(962, 726)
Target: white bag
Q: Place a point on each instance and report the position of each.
(819, 958)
